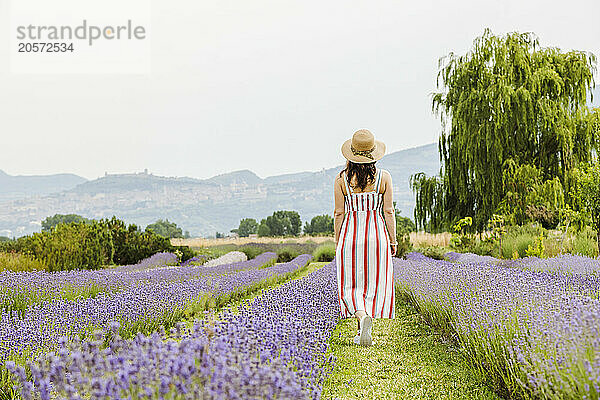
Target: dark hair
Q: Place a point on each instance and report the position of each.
(364, 173)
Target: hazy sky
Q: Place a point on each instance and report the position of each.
(271, 86)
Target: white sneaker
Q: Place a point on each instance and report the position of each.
(356, 339)
(365, 338)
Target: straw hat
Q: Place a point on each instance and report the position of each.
(363, 148)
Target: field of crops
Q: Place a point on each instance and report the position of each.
(529, 328)
(46, 312)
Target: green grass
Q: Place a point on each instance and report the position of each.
(19, 262)
(408, 360)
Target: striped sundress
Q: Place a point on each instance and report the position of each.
(365, 274)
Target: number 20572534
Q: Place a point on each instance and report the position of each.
(42, 47)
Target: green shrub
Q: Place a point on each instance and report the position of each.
(186, 252)
(584, 243)
(68, 246)
(19, 263)
(462, 238)
(527, 229)
(519, 238)
(324, 252)
(251, 251)
(131, 245)
(536, 249)
(516, 244)
(51, 222)
(287, 253)
(92, 244)
(434, 252)
(404, 244)
(486, 247)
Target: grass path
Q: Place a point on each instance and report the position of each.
(408, 361)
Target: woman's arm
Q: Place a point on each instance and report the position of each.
(339, 210)
(389, 214)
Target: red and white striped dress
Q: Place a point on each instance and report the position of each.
(365, 274)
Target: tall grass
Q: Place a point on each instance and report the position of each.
(518, 239)
(324, 252)
(19, 263)
(585, 243)
(426, 239)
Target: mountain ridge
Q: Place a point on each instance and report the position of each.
(19, 186)
(204, 206)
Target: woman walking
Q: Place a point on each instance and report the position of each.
(365, 235)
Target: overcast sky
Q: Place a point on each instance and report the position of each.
(271, 86)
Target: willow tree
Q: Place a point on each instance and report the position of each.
(506, 99)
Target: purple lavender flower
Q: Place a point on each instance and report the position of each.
(274, 346)
(535, 324)
(140, 304)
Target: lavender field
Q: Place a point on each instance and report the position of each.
(44, 311)
(529, 328)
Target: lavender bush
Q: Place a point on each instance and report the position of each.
(534, 334)
(469, 258)
(197, 260)
(21, 290)
(563, 264)
(154, 261)
(273, 347)
(142, 308)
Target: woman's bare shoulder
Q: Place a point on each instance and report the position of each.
(385, 174)
(339, 180)
(386, 179)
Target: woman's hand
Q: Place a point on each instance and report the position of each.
(393, 248)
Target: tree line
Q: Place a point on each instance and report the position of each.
(162, 227)
(287, 223)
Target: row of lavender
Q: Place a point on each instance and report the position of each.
(140, 308)
(564, 264)
(272, 347)
(21, 290)
(530, 333)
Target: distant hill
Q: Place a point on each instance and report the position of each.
(236, 177)
(209, 205)
(14, 187)
(131, 182)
